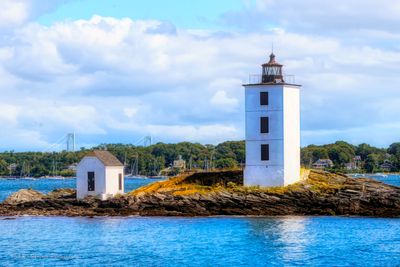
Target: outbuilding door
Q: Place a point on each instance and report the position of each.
(91, 185)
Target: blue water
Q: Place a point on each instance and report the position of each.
(214, 241)
(7, 187)
(224, 241)
(392, 179)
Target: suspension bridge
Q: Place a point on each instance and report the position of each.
(67, 142)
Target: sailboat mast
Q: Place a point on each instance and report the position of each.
(137, 165)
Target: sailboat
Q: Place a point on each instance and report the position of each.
(156, 172)
(135, 169)
(54, 172)
(25, 172)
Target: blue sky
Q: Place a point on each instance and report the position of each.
(186, 14)
(115, 71)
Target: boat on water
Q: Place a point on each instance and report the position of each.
(135, 169)
(18, 178)
(57, 177)
(136, 176)
(355, 175)
(145, 177)
(30, 178)
(381, 175)
(53, 177)
(157, 177)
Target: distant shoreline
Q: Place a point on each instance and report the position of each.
(374, 174)
(71, 177)
(74, 177)
(35, 178)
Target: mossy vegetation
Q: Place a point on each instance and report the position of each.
(191, 184)
(175, 185)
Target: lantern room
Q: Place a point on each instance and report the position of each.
(272, 71)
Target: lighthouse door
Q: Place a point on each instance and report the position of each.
(91, 184)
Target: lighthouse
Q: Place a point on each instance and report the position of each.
(272, 128)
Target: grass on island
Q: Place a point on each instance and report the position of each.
(317, 181)
(175, 185)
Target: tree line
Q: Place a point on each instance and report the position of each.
(155, 158)
(150, 160)
(342, 153)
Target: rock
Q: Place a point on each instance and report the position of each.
(321, 193)
(23, 196)
(214, 178)
(62, 193)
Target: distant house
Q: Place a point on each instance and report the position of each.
(323, 164)
(179, 163)
(355, 164)
(387, 166)
(12, 167)
(73, 167)
(351, 166)
(99, 174)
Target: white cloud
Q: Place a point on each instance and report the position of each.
(17, 12)
(377, 134)
(203, 133)
(315, 16)
(177, 133)
(130, 112)
(14, 12)
(223, 101)
(9, 114)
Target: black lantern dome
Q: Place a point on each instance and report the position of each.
(272, 71)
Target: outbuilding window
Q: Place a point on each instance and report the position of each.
(120, 181)
(264, 152)
(263, 98)
(91, 179)
(264, 125)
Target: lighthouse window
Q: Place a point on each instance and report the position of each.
(264, 125)
(264, 152)
(263, 98)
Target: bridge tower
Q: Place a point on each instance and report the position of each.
(147, 141)
(70, 142)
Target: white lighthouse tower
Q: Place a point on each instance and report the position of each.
(272, 128)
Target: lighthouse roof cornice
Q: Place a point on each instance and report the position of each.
(272, 64)
(272, 84)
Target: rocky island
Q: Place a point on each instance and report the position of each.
(221, 193)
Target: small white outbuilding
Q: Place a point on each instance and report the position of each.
(99, 174)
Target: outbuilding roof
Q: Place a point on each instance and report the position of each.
(105, 157)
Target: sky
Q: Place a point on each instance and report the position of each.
(116, 71)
